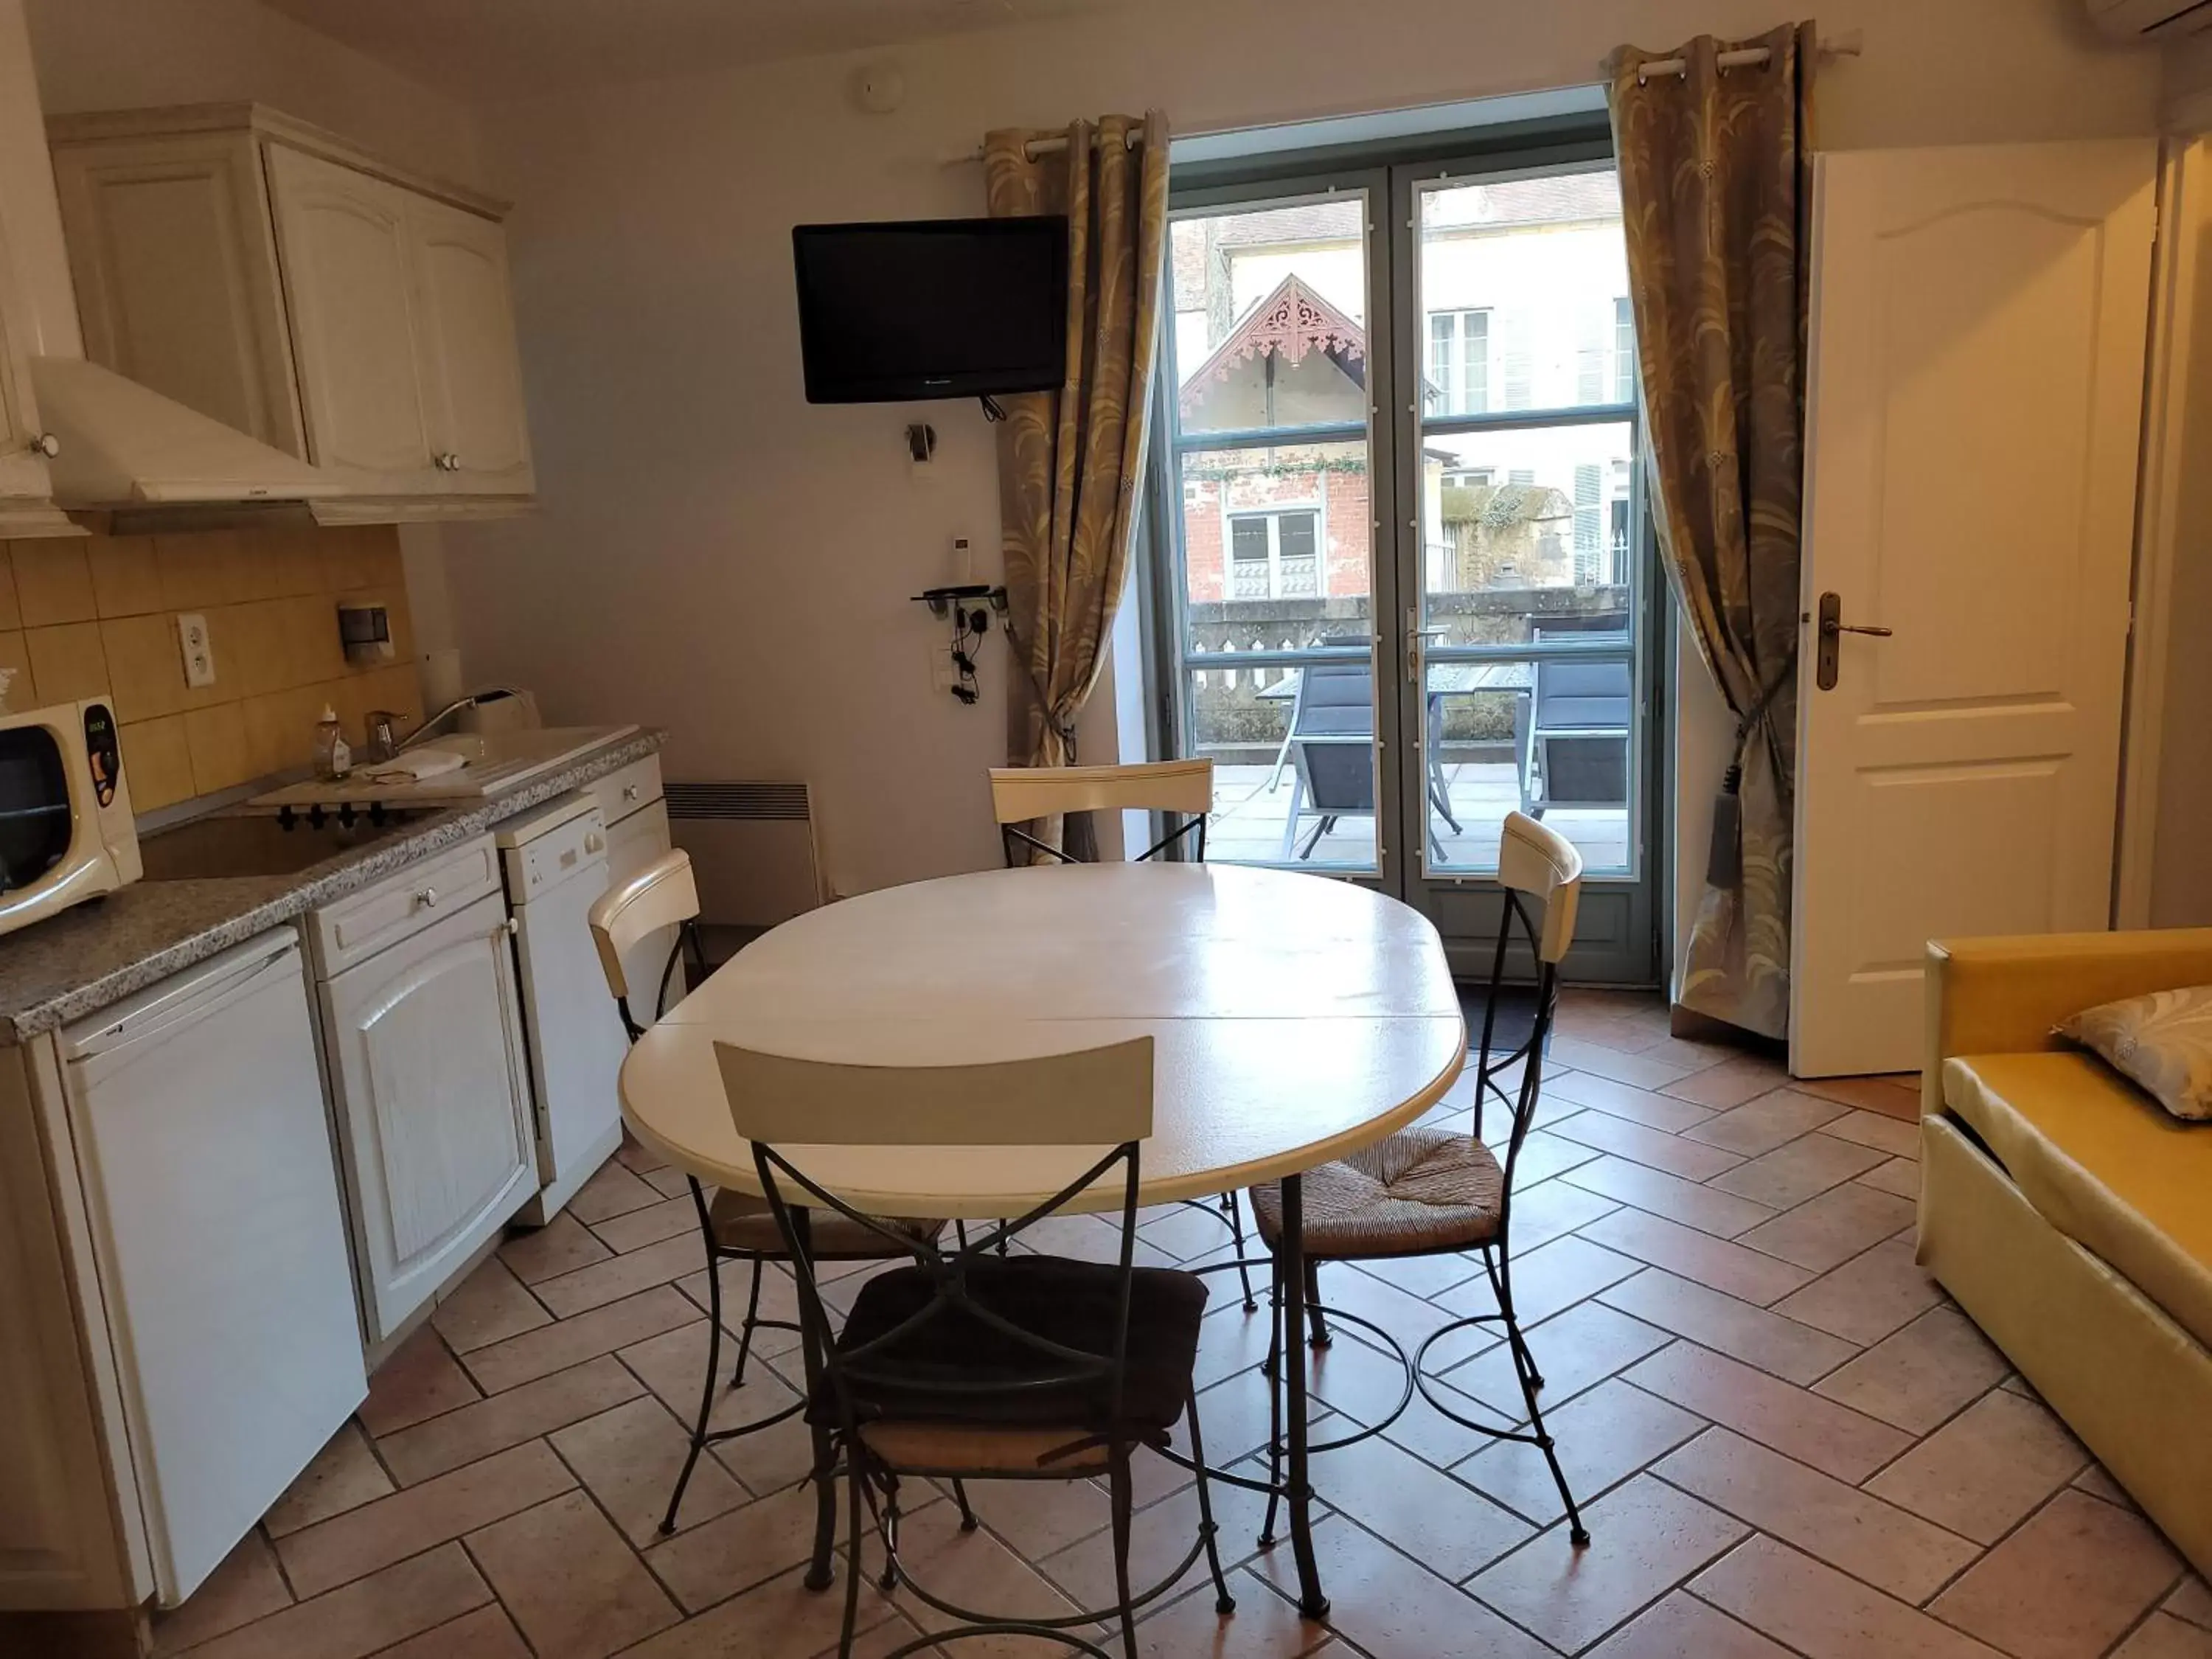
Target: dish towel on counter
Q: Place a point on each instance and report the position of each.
(416, 766)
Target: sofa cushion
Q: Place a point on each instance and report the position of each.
(2103, 1165)
(2163, 1041)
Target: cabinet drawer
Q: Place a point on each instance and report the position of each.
(622, 792)
(357, 929)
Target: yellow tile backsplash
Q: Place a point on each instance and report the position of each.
(98, 617)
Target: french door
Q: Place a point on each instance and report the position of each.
(1405, 586)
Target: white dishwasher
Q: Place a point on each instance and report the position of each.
(213, 1195)
(555, 865)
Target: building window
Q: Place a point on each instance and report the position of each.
(1275, 556)
(1624, 352)
(1588, 550)
(1469, 478)
(1459, 361)
(1520, 362)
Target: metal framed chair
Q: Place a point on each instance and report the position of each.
(1571, 737)
(1433, 1192)
(734, 1228)
(1331, 745)
(969, 1365)
(1181, 788)
(1184, 788)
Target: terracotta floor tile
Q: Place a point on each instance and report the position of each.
(1884, 1546)
(780, 1619)
(1680, 1626)
(1897, 1096)
(245, 1587)
(1446, 1526)
(1645, 1537)
(1900, 1176)
(1868, 1297)
(668, 1182)
(1826, 1231)
(1549, 1278)
(1186, 1231)
(2192, 1600)
(419, 1381)
(1706, 1208)
(508, 1419)
(1640, 1071)
(1159, 1538)
(1677, 1155)
(739, 1548)
(633, 1229)
(620, 1276)
(1717, 1264)
(1392, 1607)
(567, 1578)
(1817, 1432)
(1551, 1209)
(344, 1475)
(1264, 1626)
(1602, 1437)
(673, 1365)
(1921, 1375)
(1643, 1106)
(1762, 1125)
(1798, 1169)
(1883, 1134)
(1547, 1152)
(614, 1191)
(365, 1617)
(1768, 1341)
(1234, 1414)
(778, 1299)
(354, 1545)
(487, 1633)
(561, 1245)
(489, 1305)
(1229, 1341)
(1731, 1083)
(1824, 1613)
(2164, 1637)
(1576, 1351)
(629, 1458)
(1038, 1517)
(636, 1155)
(1406, 1316)
(555, 1347)
(2096, 1479)
(2073, 1578)
(974, 1570)
(1421, 1275)
(1983, 1472)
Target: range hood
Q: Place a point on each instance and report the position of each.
(155, 464)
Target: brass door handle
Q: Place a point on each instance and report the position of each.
(1832, 628)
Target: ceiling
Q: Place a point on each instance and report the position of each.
(493, 48)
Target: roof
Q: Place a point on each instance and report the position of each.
(1290, 322)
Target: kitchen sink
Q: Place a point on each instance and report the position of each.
(228, 845)
(492, 763)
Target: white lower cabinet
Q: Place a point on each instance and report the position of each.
(426, 1060)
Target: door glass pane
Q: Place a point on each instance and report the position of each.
(1275, 551)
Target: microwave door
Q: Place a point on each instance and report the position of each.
(36, 822)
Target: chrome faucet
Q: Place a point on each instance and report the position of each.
(439, 723)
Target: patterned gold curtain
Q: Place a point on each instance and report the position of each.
(1070, 461)
(1714, 190)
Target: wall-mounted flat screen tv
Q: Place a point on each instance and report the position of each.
(899, 313)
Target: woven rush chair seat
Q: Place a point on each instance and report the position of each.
(741, 1222)
(912, 1381)
(1420, 1190)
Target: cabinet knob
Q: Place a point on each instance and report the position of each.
(512, 927)
(449, 462)
(45, 444)
(427, 897)
(594, 842)
(630, 792)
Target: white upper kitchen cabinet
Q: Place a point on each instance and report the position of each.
(269, 275)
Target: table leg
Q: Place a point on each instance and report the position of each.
(1295, 1356)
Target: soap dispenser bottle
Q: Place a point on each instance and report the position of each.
(333, 756)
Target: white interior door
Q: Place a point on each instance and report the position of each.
(1978, 324)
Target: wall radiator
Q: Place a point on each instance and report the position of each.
(752, 847)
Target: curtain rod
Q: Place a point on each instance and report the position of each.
(1034, 147)
(1845, 45)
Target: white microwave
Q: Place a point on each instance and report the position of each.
(66, 833)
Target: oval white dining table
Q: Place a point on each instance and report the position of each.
(1294, 1018)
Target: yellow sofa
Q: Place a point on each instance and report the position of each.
(2068, 1213)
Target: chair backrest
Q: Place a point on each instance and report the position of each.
(1536, 866)
(1571, 692)
(1021, 794)
(662, 895)
(1096, 1097)
(1333, 729)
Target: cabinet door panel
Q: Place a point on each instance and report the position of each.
(348, 282)
(468, 366)
(426, 1053)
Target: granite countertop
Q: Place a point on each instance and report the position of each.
(79, 962)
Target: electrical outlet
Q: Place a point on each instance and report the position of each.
(199, 655)
(944, 673)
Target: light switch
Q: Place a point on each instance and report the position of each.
(200, 656)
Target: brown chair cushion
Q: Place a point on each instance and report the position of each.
(932, 1373)
(742, 1223)
(1420, 1190)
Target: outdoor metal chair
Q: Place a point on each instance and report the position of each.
(1571, 733)
(1331, 743)
(970, 1365)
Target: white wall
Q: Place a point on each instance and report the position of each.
(716, 556)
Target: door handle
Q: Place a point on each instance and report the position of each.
(1415, 635)
(1832, 628)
